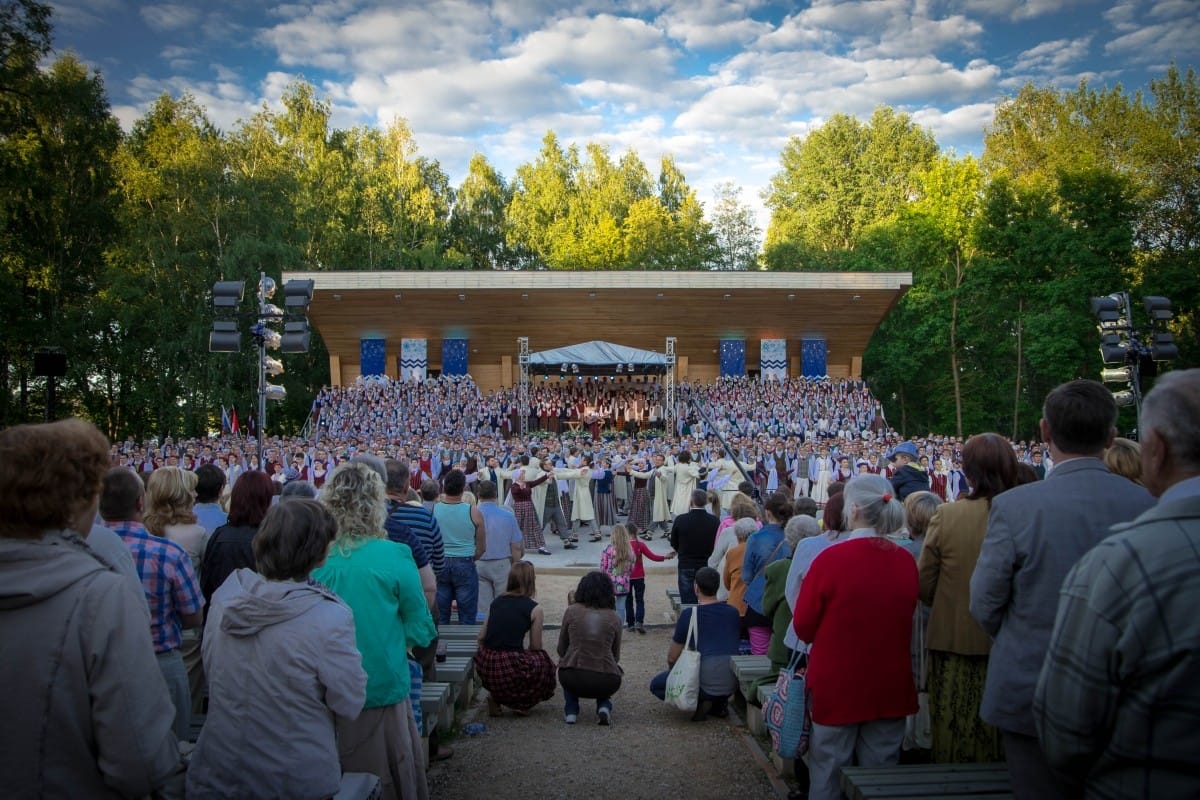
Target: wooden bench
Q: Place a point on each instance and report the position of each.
(959, 781)
(436, 712)
(459, 633)
(673, 598)
(461, 649)
(748, 669)
(459, 672)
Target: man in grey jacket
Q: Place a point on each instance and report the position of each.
(1035, 535)
(1119, 693)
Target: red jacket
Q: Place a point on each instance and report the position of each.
(856, 608)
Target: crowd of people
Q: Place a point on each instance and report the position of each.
(1041, 634)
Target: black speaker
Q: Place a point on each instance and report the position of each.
(49, 365)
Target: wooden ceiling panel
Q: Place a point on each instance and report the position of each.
(637, 309)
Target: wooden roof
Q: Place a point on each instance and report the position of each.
(639, 309)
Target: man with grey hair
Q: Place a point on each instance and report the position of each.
(1119, 692)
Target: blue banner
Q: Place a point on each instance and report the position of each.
(733, 358)
(454, 356)
(812, 358)
(372, 356)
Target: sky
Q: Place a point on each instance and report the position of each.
(718, 84)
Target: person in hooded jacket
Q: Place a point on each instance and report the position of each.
(86, 710)
(281, 655)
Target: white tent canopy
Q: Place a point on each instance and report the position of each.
(597, 358)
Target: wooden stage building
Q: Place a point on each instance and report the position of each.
(479, 316)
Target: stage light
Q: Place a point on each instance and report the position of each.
(1117, 375)
(273, 392)
(1113, 350)
(272, 366)
(224, 337)
(1124, 398)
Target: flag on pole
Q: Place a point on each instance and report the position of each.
(233, 422)
(225, 420)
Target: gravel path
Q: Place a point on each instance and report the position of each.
(649, 751)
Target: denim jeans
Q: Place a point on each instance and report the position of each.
(635, 602)
(687, 586)
(571, 702)
(458, 582)
(175, 674)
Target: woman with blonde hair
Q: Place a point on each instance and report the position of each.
(379, 581)
(170, 497)
(516, 676)
(1124, 457)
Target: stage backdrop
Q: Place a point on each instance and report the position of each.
(772, 359)
(414, 359)
(812, 358)
(733, 358)
(372, 356)
(454, 356)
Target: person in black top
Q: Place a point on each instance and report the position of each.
(516, 676)
(693, 536)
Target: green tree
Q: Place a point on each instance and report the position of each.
(478, 221)
(57, 204)
(844, 177)
(735, 231)
(541, 200)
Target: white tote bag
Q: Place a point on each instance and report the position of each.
(683, 684)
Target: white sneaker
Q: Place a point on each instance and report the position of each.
(570, 719)
(605, 716)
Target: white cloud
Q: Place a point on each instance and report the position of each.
(1052, 58)
(700, 24)
(1021, 10)
(170, 17)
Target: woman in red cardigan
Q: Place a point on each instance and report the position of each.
(856, 608)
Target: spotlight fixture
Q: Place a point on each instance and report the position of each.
(727, 296)
(398, 296)
(630, 367)
(660, 295)
(564, 367)
(791, 297)
(462, 297)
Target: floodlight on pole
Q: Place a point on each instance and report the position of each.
(225, 336)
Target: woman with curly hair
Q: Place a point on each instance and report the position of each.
(515, 675)
(87, 712)
(379, 580)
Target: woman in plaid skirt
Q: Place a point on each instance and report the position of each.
(604, 500)
(639, 506)
(522, 497)
(516, 676)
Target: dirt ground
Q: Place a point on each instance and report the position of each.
(649, 751)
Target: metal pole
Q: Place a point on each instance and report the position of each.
(262, 376)
(670, 412)
(523, 384)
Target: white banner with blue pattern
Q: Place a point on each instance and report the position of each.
(772, 359)
(414, 359)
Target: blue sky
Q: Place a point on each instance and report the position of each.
(720, 84)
